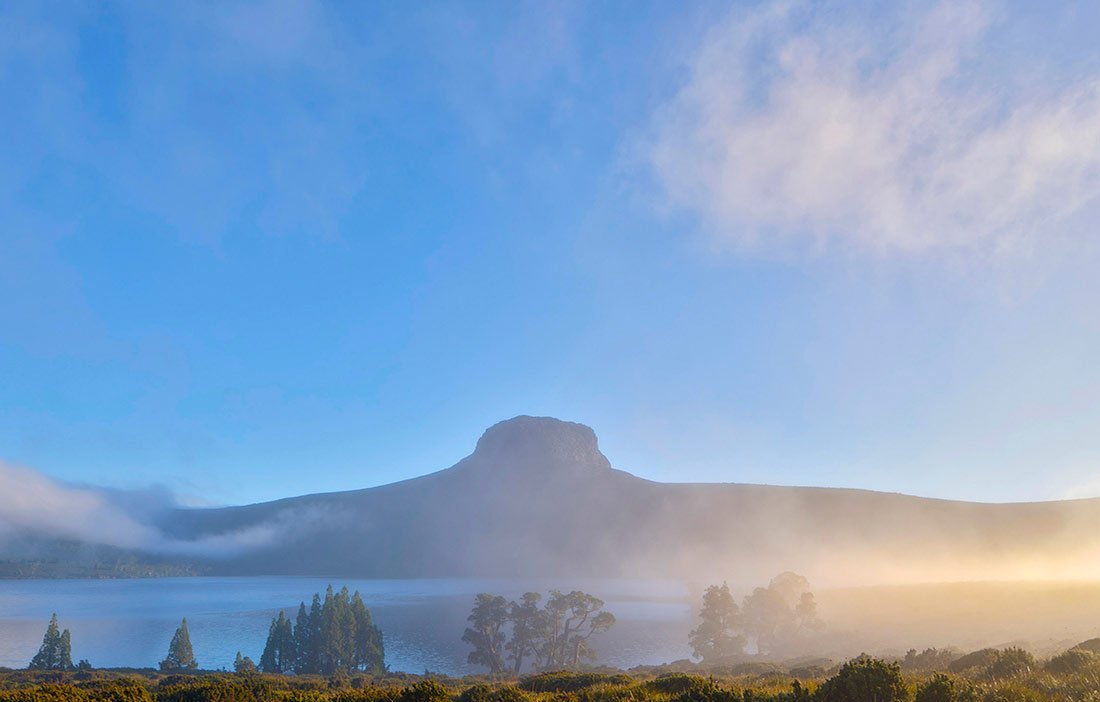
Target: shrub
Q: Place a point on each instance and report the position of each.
(1010, 663)
(124, 690)
(940, 688)
(930, 659)
(754, 668)
(675, 683)
(808, 671)
(864, 680)
(1092, 646)
(367, 693)
(977, 659)
(1072, 661)
(476, 693)
(49, 692)
(1012, 693)
(217, 690)
(565, 681)
(703, 690)
(484, 693)
(424, 691)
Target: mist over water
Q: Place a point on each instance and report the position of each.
(119, 623)
(128, 623)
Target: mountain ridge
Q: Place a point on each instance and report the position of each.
(537, 498)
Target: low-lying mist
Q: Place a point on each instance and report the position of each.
(537, 500)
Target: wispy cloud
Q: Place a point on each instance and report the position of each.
(804, 127)
(33, 504)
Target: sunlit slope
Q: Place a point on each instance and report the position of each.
(537, 498)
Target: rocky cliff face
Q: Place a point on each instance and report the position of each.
(538, 445)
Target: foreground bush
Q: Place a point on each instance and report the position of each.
(1010, 663)
(485, 693)
(1072, 661)
(864, 680)
(563, 681)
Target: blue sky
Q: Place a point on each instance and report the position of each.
(258, 249)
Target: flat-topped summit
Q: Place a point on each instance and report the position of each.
(544, 444)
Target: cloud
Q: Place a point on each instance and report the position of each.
(800, 126)
(33, 504)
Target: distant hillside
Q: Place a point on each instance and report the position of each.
(537, 498)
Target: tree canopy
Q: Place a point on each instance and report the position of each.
(180, 655)
(717, 638)
(335, 635)
(770, 617)
(486, 632)
(56, 650)
(554, 636)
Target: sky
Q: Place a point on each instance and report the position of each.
(257, 249)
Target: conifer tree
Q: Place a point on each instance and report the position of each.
(301, 639)
(180, 655)
(56, 650)
(243, 665)
(280, 655)
(370, 651)
(65, 652)
(309, 638)
(337, 635)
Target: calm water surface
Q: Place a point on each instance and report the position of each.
(130, 622)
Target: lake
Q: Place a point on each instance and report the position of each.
(128, 623)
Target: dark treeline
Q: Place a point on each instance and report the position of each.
(770, 618)
(550, 637)
(336, 635)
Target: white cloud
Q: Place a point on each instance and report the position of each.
(798, 126)
(33, 504)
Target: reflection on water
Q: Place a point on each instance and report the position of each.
(118, 623)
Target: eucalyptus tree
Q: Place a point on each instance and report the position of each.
(718, 635)
(486, 632)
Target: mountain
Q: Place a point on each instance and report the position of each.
(538, 498)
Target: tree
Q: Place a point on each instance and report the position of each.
(805, 612)
(180, 655)
(302, 638)
(56, 650)
(243, 665)
(336, 643)
(716, 637)
(767, 619)
(526, 618)
(485, 633)
(66, 651)
(569, 622)
(864, 679)
(790, 586)
(370, 650)
(280, 653)
(337, 635)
